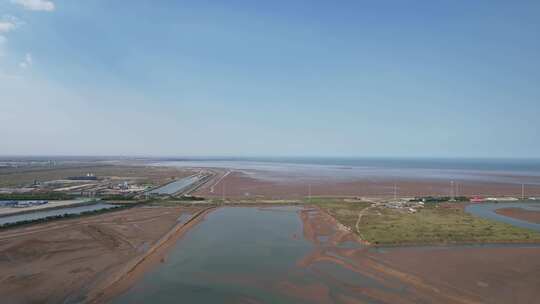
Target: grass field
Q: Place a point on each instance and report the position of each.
(432, 224)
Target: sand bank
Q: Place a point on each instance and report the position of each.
(521, 214)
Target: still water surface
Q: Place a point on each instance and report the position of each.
(176, 186)
(525, 171)
(246, 255)
(487, 211)
(53, 212)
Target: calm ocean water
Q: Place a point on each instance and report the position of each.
(278, 168)
(510, 165)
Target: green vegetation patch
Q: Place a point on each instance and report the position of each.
(345, 212)
(36, 196)
(430, 225)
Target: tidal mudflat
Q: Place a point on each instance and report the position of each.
(302, 255)
(65, 261)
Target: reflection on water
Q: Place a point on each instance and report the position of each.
(487, 211)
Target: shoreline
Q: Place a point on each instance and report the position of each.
(466, 244)
(384, 264)
(114, 285)
(520, 214)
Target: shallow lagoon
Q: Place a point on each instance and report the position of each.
(247, 255)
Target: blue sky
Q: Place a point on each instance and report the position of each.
(264, 78)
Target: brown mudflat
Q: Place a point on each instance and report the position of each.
(65, 260)
(502, 274)
(521, 214)
(430, 274)
(240, 185)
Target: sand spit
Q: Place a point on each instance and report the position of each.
(520, 214)
(63, 261)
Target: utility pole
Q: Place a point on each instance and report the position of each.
(309, 192)
(522, 191)
(452, 193)
(395, 192)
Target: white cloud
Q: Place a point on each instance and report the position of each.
(2, 43)
(27, 62)
(8, 24)
(36, 5)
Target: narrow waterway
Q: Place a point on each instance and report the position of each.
(32, 216)
(487, 211)
(176, 186)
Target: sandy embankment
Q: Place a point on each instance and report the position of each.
(520, 214)
(63, 261)
(240, 185)
(135, 268)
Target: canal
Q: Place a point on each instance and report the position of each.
(176, 186)
(37, 215)
(487, 211)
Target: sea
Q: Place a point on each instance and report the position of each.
(515, 171)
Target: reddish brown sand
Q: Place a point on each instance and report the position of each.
(64, 260)
(460, 274)
(487, 275)
(240, 185)
(521, 214)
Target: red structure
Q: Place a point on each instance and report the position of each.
(477, 199)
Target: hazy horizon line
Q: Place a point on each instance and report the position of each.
(244, 157)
